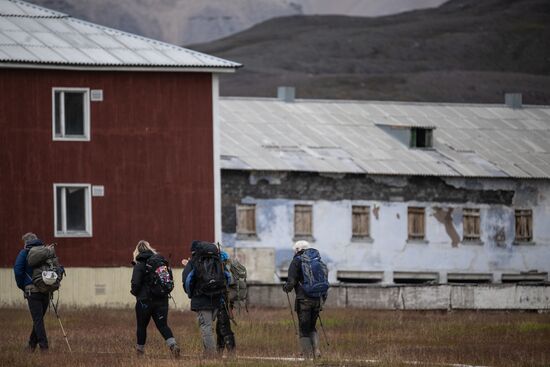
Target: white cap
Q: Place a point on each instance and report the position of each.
(300, 245)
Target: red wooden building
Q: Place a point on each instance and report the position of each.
(107, 138)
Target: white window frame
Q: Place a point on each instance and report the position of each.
(86, 136)
(88, 211)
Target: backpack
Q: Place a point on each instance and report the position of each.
(158, 275)
(209, 272)
(315, 273)
(47, 273)
(237, 290)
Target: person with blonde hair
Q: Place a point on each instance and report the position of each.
(151, 304)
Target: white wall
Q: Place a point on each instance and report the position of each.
(389, 250)
(83, 287)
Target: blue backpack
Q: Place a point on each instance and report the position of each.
(315, 272)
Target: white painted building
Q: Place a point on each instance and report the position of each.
(391, 192)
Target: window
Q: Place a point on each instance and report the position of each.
(246, 219)
(524, 225)
(470, 223)
(73, 210)
(421, 137)
(360, 221)
(71, 114)
(416, 223)
(303, 221)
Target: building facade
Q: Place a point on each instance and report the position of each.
(107, 138)
(391, 192)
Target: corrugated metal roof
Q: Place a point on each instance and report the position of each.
(349, 137)
(30, 34)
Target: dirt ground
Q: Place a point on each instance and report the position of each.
(106, 337)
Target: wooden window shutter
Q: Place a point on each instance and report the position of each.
(471, 224)
(360, 221)
(303, 220)
(246, 219)
(524, 225)
(416, 223)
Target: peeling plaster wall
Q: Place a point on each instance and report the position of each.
(389, 250)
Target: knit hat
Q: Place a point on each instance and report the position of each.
(300, 245)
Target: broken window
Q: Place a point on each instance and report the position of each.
(524, 225)
(360, 221)
(73, 213)
(416, 223)
(71, 114)
(246, 219)
(471, 225)
(303, 215)
(421, 137)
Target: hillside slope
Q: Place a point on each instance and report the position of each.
(190, 21)
(463, 51)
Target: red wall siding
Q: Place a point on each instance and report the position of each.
(151, 148)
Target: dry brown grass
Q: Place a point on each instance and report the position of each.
(105, 337)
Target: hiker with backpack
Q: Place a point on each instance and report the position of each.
(151, 284)
(37, 274)
(205, 281)
(308, 277)
(235, 295)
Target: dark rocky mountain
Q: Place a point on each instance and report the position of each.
(463, 51)
(190, 21)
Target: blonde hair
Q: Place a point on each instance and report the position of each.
(143, 246)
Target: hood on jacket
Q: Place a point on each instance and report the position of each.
(33, 243)
(143, 256)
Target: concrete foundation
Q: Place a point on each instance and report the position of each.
(432, 297)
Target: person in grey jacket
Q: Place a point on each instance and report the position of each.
(38, 302)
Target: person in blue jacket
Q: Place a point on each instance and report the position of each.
(38, 302)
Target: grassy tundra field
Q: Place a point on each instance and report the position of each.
(105, 337)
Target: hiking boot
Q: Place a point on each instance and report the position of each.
(307, 347)
(140, 350)
(315, 342)
(175, 351)
(230, 344)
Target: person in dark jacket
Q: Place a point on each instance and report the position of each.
(225, 338)
(206, 306)
(147, 306)
(307, 308)
(38, 302)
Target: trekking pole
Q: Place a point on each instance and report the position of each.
(60, 324)
(292, 314)
(323, 328)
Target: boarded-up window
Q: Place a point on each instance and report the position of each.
(360, 221)
(303, 220)
(246, 219)
(470, 224)
(416, 223)
(524, 225)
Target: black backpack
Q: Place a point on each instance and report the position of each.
(209, 273)
(159, 276)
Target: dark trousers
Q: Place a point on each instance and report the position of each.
(38, 305)
(158, 310)
(308, 311)
(224, 334)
